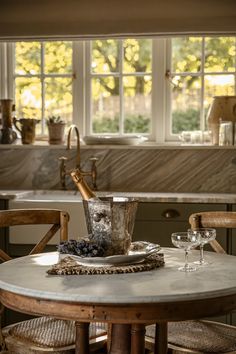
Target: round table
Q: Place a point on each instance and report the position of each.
(125, 300)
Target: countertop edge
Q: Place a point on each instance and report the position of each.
(149, 197)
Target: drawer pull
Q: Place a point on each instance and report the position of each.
(170, 214)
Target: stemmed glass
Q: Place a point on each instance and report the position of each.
(186, 240)
(206, 235)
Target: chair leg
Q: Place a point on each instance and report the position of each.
(82, 338)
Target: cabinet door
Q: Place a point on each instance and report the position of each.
(4, 232)
(232, 240)
(155, 222)
(232, 243)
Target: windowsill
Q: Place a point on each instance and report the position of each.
(147, 145)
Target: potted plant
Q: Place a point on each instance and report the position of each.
(56, 129)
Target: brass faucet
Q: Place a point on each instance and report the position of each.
(74, 127)
(63, 172)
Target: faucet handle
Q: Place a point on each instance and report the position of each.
(94, 160)
(62, 158)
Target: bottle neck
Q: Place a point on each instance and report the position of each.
(84, 189)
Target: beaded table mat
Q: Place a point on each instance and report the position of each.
(68, 266)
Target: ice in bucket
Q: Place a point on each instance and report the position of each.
(110, 222)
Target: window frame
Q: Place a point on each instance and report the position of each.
(42, 76)
(201, 74)
(81, 89)
(89, 75)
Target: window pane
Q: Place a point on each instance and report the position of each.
(137, 55)
(58, 98)
(105, 56)
(186, 54)
(186, 104)
(217, 85)
(219, 54)
(28, 98)
(105, 105)
(27, 58)
(137, 104)
(58, 57)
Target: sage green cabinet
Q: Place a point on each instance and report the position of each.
(232, 240)
(155, 222)
(4, 232)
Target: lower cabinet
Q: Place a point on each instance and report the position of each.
(4, 232)
(155, 222)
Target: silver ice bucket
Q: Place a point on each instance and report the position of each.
(110, 222)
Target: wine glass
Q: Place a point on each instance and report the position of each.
(206, 235)
(186, 240)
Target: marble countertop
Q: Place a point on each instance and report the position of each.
(73, 196)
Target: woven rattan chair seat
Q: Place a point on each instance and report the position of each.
(202, 336)
(50, 332)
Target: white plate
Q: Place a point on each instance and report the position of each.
(109, 139)
(139, 251)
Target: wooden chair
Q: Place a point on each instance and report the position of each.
(200, 336)
(43, 334)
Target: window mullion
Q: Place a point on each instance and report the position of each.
(202, 108)
(3, 70)
(168, 92)
(158, 89)
(78, 85)
(88, 88)
(121, 87)
(42, 89)
(10, 70)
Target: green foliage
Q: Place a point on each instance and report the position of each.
(137, 124)
(55, 120)
(185, 120)
(106, 125)
(133, 124)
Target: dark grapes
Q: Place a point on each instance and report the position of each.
(82, 248)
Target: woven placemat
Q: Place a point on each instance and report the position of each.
(68, 266)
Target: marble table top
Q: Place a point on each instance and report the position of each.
(27, 276)
(74, 196)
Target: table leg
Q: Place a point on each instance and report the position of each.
(161, 338)
(138, 339)
(120, 339)
(82, 338)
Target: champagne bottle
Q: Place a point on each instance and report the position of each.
(86, 192)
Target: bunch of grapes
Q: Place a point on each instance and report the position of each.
(82, 248)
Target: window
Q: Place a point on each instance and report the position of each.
(200, 69)
(43, 80)
(120, 80)
(154, 87)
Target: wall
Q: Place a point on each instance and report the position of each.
(141, 169)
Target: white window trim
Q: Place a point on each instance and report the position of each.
(119, 75)
(78, 85)
(81, 86)
(158, 90)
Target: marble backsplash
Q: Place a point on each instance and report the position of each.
(135, 169)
